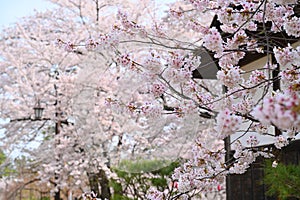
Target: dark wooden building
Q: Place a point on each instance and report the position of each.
(251, 186)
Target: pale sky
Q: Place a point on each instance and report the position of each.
(12, 10)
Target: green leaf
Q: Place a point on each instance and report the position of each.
(117, 187)
(159, 182)
(282, 181)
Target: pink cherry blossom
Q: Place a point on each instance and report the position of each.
(227, 123)
(213, 41)
(280, 141)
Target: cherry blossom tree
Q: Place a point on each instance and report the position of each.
(78, 136)
(259, 100)
(149, 60)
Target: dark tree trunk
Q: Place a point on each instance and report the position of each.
(104, 182)
(57, 195)
(94, 185)
(100, 179)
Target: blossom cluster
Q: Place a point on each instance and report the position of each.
(282, 110)
(154, 194)
(244, 106)
(204, 171)
(280, 141)
(152, 62)
(213, 41)
(128, 25)
(150, 109)
(252, 140)
(227, 123)
(125, 61)
(158, 89)
(67, 46)
(287, 57)
(230, 77)
(245, 156)
(257, 77)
